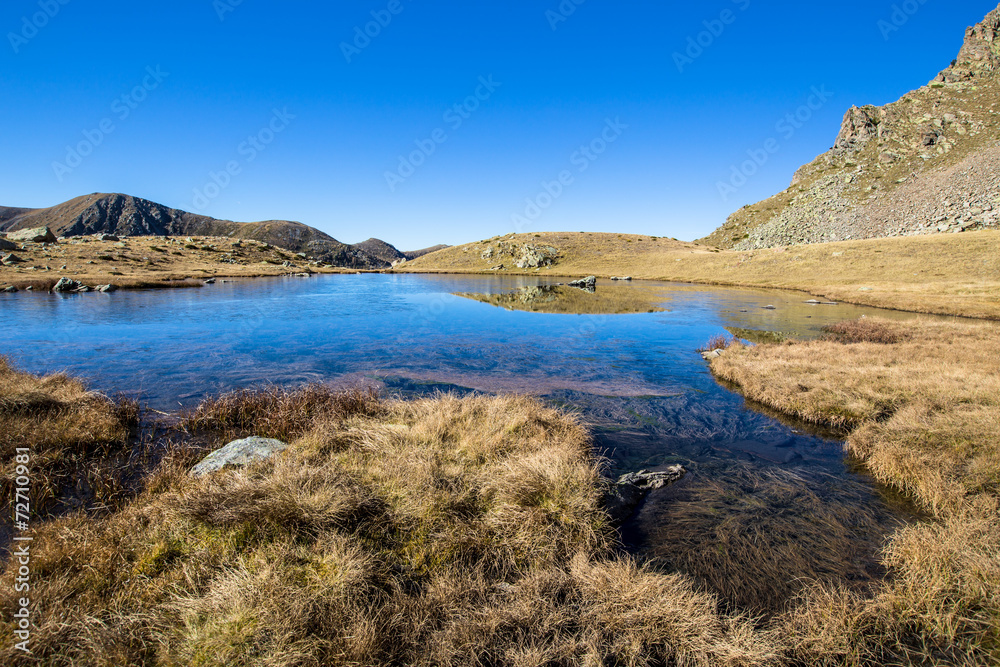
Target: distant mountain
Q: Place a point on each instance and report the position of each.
(928, 163)
(380, 250)
(124, 215)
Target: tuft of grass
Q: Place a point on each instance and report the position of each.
(866, 330)
(276, 412)
(78, 441)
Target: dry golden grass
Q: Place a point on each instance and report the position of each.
(924, 414)
(149, 261)
(77, 440)
(950, 274)
(441, 531)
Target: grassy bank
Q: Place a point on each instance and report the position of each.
(80, 441)
(149, 261)
(950, 274)
(443, 531)
(922, 404)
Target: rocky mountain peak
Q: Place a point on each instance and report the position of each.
(928, 163)
(980, 54)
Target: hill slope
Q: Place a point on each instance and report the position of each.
(928, 163)
(124, 215)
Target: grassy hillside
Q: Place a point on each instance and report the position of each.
(954, 274)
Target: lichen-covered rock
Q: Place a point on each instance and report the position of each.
(238, 454)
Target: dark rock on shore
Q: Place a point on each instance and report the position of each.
(589, 283)
(67, 285)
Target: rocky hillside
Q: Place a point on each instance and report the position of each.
(381, 250)
(123, 215)
(926, 164)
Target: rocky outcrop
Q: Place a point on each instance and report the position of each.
(238, 454)
(521, 255)
(623, 497)
(36, 235)
(926, 164)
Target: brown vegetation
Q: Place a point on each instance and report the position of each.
(922, 403)
(442, 531)
(78, 441)
(150, 261)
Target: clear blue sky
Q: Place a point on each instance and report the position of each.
(226, 66)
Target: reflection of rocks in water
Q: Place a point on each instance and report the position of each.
(617, 300)
(757, 535)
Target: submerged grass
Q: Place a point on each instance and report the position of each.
(922, 402)
(443, 531)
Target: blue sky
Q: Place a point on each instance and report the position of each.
(577, 117)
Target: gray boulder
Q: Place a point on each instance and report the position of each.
(67, 285)
(38, 235)
(7, 245)
(621, 498)
(589, 283)
(106, 289)
(10, 260)
(238, 454)
(108, 237)
(9, 290)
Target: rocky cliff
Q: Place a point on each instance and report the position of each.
(926, 164)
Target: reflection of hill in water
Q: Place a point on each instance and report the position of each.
(607, 300)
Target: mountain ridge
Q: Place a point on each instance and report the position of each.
(927, 163)
(125, 215)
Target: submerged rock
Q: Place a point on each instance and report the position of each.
(238, 454)
(623, 497)
(589, 283)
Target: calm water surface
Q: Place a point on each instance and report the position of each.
(634, 374)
